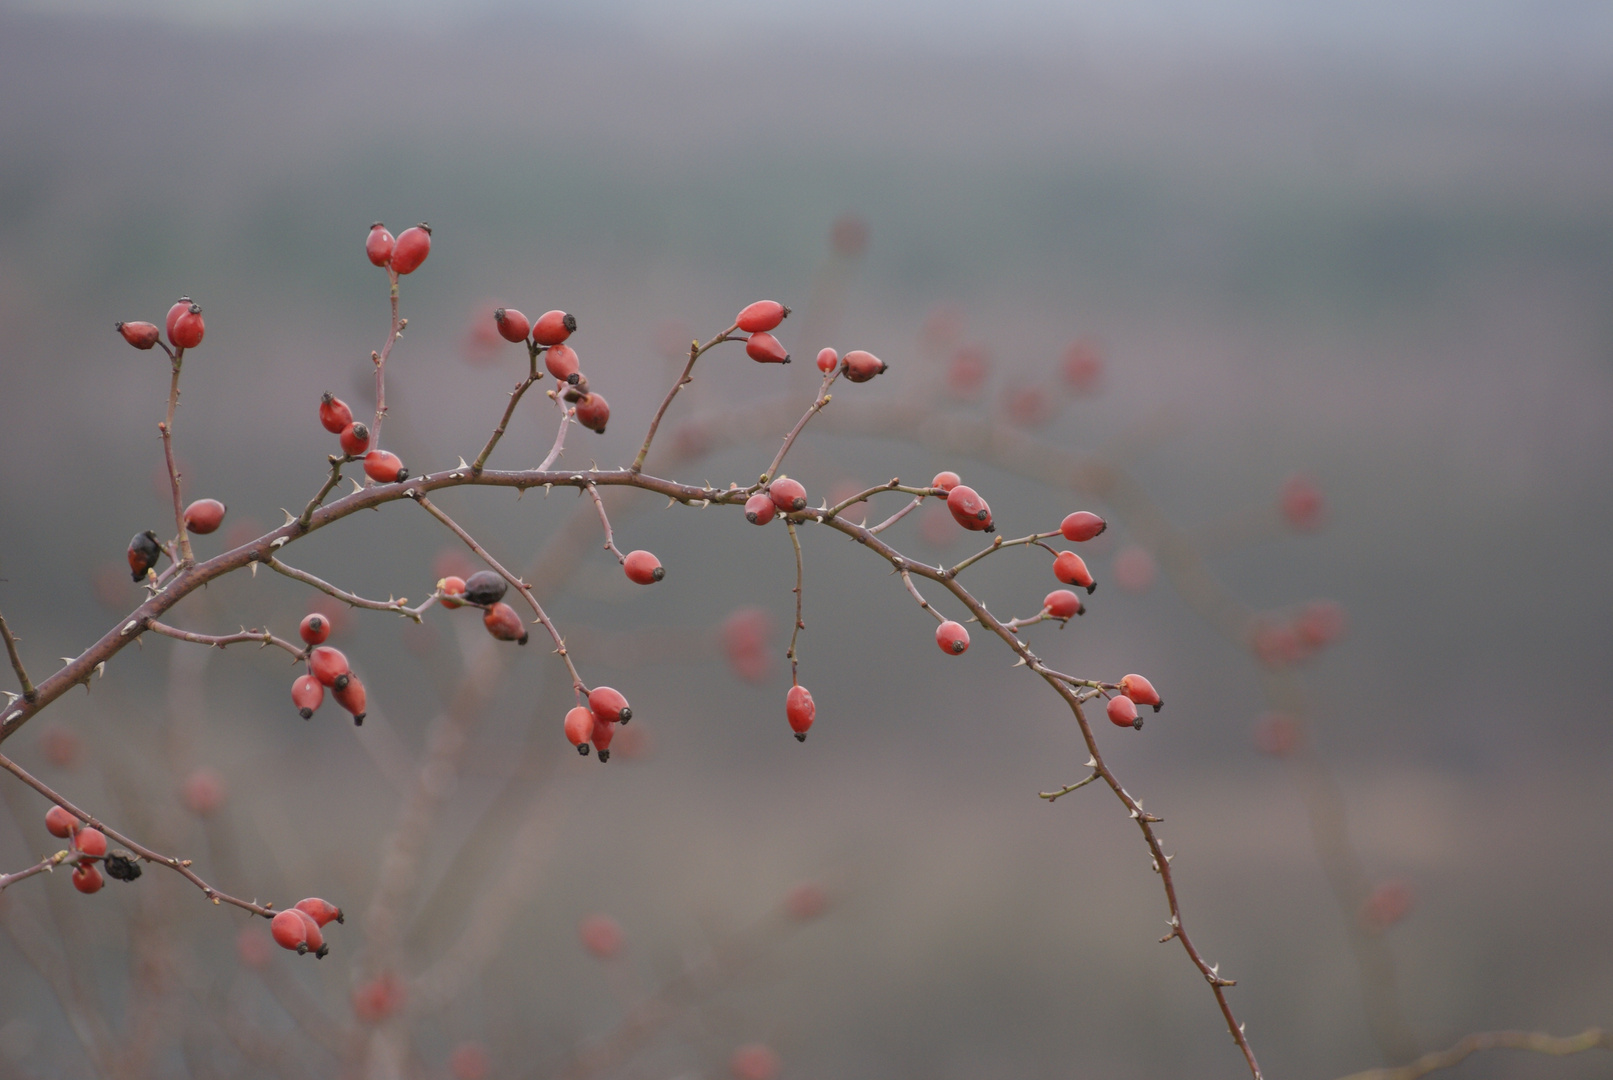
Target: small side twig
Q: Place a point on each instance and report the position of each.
(696, 350)
(610, 539)
(29, 694)
(816, 407)
(509, 410)
(167, 429)
(179, 866)
(399, 606)
(49, 862)
(335, 477)
(790, 655)
(379, 358)
(567, 413)
(1054, 796)
(220, 641)
(1538, 1042)
(907, 581)
(998, 545)
(898, 516)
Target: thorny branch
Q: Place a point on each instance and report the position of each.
(219, 641)
(399, 606)
(28, 691)
(795, 541)
(604, 520)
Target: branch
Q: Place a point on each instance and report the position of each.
(29, 694)
(998, 545)
(1554, 1046)
(799, 625)
(398, 326)
(49, 862)
(898, 516)
(695, 352)
(610, 540)
(179, 866)
(220, 641)
(399, 606)
(812, 410)
(509, 410)
(907, 581)
(331, 481)
(894, 484)
(567, 412)
(167, 429)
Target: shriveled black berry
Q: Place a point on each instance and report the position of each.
(144, 551)
(121, 864)
(485, 587)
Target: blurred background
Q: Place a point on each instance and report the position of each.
(1368, 245)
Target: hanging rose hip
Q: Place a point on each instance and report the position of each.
(561, 360)
(1082, 525)
(290, 930)
(504, 624)
(604, 734)
(1123, 712)
(609, 706)
(593, 412)
(355, 439)
(969, 509)
(760, 508)
(188, 328)
(143, 554)
(766, 349)
(828, 360)
(553, 327)
(1063, 604)
(788, 495)
(411, 249)
(321, 911)
(580, 728)
(142, 335)
(384, 467)
(1071, 569)
(952, 638)
(761, 316)
(485, 587)
(379, 244)
(353, 698)
(334, 415)
(643, 568)
(800, 710)
(87, 879)
(512, 325)
(1141, 691)
(861, 366)
(204, 516)
(308, 694)
(90, 841)
(329, 666)
(60, 822)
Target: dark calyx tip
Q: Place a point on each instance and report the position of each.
(403, 474)
(751, 518)
(798, 503)
(340, 916)
(572, 378)
(989, 528)
(306, 714)
(320, 954)
(658, 573)
(604, 756)
(1092, 588)
(800, 736)
(570, 323)
(522, 640)
(341, 681)
(1137, 724)
(1159, 705)
(583, 749)
(358, 718)
(625, 715)
(327, 397)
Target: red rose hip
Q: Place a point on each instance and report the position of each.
(800, 710)
(290, 930)
(609, 706)
(828, 360)
(969, 509)
(1123, 712)
(761, 316)
(580, 728)
(553, 327)
(204, 516)
(760, 508)
(504, 624)
(321, 911)
(861, 366)
(411, 249)
(379, 244)
(1063, 604)
(87, 878)
(1082, 525)
(334, 415)
(329, 666)
(142, 335)
(946, 481)
(512, 325)
(952, 638)
(384, 467)
(643, 568)
(593, 412)
(355, 440)
(353, 698)
(181, 306)
(561, 360)
(308, 694)
(60, 822)
(451, 588)
(143, 554)
(1141, 691)
(1071, 569)
(766, 349)
(788, 495)
(188, 328)
(90, 841)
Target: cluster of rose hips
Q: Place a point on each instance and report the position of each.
(484, 589)
(1280, 639)
(301, 928)
(354, 436)
(327, 667)
(596, 722)
(185, 327)
(548, 337)
(1134, 691)
(89, 847)
(402, 255)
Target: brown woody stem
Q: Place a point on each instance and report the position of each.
(28, 691)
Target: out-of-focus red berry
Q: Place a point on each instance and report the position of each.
(251, 949)
(1277, 734)
(203, 792)
(754, 1061)
(1083, 366)
(1386, 905)
(967, 372)
(378, 998)
(848, 236)
(1027, 405)
(1319, 623)
(806, 902)
(469, 1062)
(745, 636)
(60, 747)
(602, 936)
(1302, 504)
(1134, 568)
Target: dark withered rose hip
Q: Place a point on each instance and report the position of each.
(144, 552)
(485, 587)
(120, 864)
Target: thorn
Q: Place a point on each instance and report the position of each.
(463, 464)
(67, 659)
(10, 697)
(100, 669)
(278, 541)
(1018, 663)
(1092, 763)
(671, 502)
(254, 565)
(357, 487)
(289, 518)
(130, 625)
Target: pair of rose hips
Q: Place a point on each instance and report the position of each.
(301, 928)
(185, 327)
(336, 417)
(965, 505)
(485, 589)
(596, 722)
(551, 329)
(759, 320)
(403, 254)
(1134, 691)
(327, 667)
(782, 494)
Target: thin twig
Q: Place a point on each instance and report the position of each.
(335, 477)
(49, 862)
(893, 484)
(1053, 796)
(29, 694)
(179, 866)
(400, 606)
(610, 539)
(220, 641)
(695, 352)
(167, 429)
(522, 587)
(509, 410)
(567, 412)
(898, 516)
(379, 359)
(998, 545)
(799, 624)
(816, 407)
(1538, 1042)
(907, 581)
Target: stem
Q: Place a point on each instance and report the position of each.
(380, 361)
(998, 545)
(923, 603)
(331, 481)
(695, 352)
(1540, 1043)
(522, 587)
(799, 624)
(49, 862)
(812, 410)
(219, 641)
(29, 694)
(179, 866)
(893, 484)
(610, 541)
(567, 412)
(898, 516)
(1052, 796)
(167, 429)
(399, 606)
(515, 399)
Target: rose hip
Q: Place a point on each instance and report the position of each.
(761, 316)
(553, 327)
(379, 244)
(411, 249)
(204, 516)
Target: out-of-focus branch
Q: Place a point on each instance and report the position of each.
(1534, 1041)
